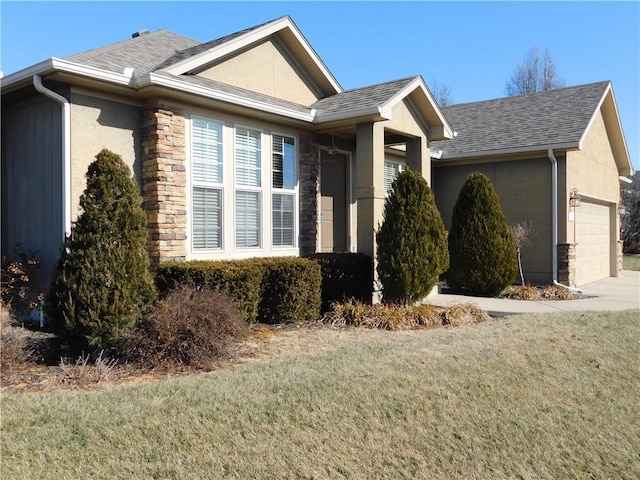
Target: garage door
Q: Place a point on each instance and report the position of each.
(593, 237)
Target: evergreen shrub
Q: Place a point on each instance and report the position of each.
(344, 276)
(481, 246)
(412, 241)
(269, 290)
(101, 285)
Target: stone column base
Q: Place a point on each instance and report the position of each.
(567, 264)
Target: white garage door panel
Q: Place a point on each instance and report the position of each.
(593, 237)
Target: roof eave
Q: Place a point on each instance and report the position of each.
(542, 149)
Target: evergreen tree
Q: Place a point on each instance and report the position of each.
(412, 241)
(102, 284)
(481, 246)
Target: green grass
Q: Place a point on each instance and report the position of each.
(530, 396)
(631, 262)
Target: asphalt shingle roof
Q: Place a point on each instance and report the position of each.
(144, 53)
(364, 97)
(525, 121)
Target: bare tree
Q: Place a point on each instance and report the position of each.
(441, 92)
(536, 73)
(523, 234)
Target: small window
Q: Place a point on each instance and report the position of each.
(391, 171)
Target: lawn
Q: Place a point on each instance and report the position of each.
(631, 262)
(529, 396)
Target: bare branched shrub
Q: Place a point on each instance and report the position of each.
(401, 317)
(523, 234)
(189, 327)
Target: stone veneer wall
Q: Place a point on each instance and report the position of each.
(309, 191)
(567, 264)
(164, 182)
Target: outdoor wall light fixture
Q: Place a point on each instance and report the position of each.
(574, 199)
(621, 209)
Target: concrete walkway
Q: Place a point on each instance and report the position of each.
(614, 293)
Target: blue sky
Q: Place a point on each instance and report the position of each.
(473, 47)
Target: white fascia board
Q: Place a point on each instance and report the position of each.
(375, 111)
(27, 73)
(512, 151)
(626, 180)
(437, 154)
(54, 64)
(152, 79)
(253, 36)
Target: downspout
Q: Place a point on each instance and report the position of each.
(554, 223)
(66, 151)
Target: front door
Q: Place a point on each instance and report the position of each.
(333, 205)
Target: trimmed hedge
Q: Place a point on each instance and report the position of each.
(269, 290)
(344, 276)
(290, 291)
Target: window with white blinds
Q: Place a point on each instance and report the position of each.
(282, 219)
(248, 165)
(247, 219)
(391, 171)
(207, 180)
(248, 162)
(243, 191)
(283, 153)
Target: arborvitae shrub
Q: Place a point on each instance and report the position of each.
(412, 241)
(102, 285)
(190, 326)
(481, 247)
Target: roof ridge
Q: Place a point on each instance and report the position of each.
(121, 43)
(531, 94)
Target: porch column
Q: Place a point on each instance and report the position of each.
(418, 157)
(370, 193)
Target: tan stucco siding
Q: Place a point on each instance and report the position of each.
(592, 170)
(404, 120)
(98, 123)
(524, 190)
(266, 69)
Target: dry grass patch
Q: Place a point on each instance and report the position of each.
(529, 396)
(402, 317)
(533, 293)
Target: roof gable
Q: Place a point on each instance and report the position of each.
(380, 99)
(198, 57)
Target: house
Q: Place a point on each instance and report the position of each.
(243, 146)
(545, 153)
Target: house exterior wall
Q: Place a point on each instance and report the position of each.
(267, 69)
(32, 179)
(524, 190)
(594, 173)
(96, 123)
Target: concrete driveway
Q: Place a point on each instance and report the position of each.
(614, 293)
